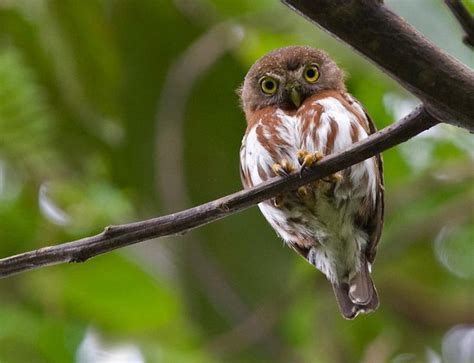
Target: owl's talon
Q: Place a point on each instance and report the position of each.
(283, 168)
(307, 159)
(334, 178)
(304, 192)
(277, 201)
(317, 184)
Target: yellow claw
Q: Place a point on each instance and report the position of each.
(334, 178)
(283, 168)
(307, 159)
(304, 192)
(277, 169)
(277, 201)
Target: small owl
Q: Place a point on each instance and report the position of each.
(298, 111)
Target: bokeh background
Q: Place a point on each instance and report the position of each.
(113, 111)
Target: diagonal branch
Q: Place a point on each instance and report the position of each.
(114, 237)
(464, 18)
(444, 85)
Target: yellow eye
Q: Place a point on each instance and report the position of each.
(311, 73)
(268, 85)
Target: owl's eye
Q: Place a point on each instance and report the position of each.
(311, 73)
(268, 85)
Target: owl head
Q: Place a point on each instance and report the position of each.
(285, 77)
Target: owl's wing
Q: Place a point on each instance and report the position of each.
(359, 294)
(374, 223)
(244, 172)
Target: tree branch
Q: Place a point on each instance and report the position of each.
(464, 18)
(114, 237)
(444, 85)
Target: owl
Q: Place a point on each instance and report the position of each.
(298, 111)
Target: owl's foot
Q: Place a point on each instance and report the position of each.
(307, 159)
(334, 178)
(283, 168)
(278, 201)
(305, 192)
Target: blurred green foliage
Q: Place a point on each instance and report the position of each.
(82, 116)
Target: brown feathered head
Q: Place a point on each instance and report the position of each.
(285, 77)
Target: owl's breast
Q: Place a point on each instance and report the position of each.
(327, 123)
(266, 143)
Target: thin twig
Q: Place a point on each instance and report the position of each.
(170, 177)
(464, 18)
(114, 237)
(171, 183)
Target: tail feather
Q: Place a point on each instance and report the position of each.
(361, 287)
(348, 309)
(357, 296)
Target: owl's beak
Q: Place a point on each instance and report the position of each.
(295, 96)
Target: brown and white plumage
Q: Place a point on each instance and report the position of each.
(337, 223)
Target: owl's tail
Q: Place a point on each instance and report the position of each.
(358, 295)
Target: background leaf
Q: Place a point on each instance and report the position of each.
(113, 111)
